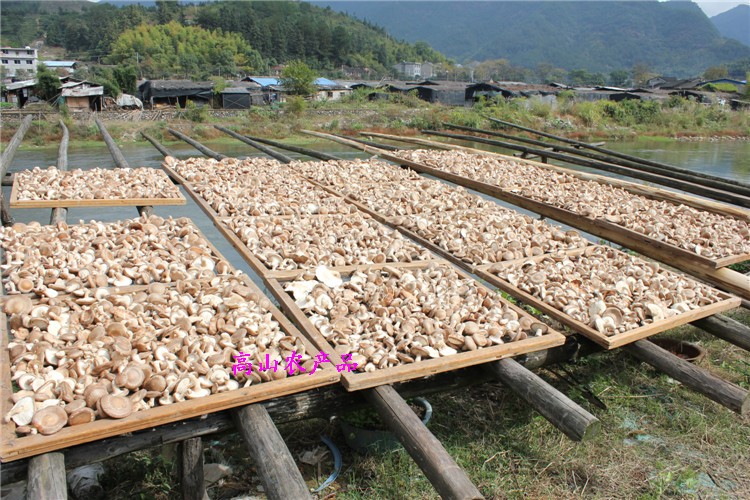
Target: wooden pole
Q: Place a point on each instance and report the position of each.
(5, 160)
(726, 328)
(637, 168)
(119, 158)
(161, 148)
(725, 393)
(278, 472)
(386, 147)
(596, 147)
(46, 477)
(260, 147)
(296, 149)
(8, 179)
(690, 187)
(191, 469)
(197, 145)
(446, 476)
(60, 214)
(556, 407)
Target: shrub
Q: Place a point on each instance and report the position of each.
(296, 105)
(195, 113)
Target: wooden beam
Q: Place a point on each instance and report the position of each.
(197, 145)
(191, 469)
(277, 469)
(260, 147)
(5, 160)
(46, 477)
(119, 159)
(725, 393)
(61, 214)
(727, 329)
(446, 476)
(159, 147)
(296, 149)
(556, 407)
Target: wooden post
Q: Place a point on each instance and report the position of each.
(726, 328)
(119, 159)
(260, 147)
(191, 469)
(197, 145)
(717, 194)
(446, 476)
(296, 149)
(725, 393)
(278, 472)
(46, 477)
(60, 214)
(567, 416)
(161, 148)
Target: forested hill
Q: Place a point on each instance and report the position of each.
(279, 31)
(734, 23)
(673, 38)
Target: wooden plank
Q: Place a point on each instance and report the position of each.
(443, 472)
(77, 203)
(725, 393)
(47, 478)
(357, 381)
(642, 189)
(278, 472)
(571, 419)
(191, 469)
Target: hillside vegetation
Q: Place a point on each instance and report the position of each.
(673, 38)
(278, 31)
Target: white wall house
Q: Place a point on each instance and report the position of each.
(13, 59)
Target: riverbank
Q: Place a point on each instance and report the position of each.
(676, 119)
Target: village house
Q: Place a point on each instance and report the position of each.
(14, 59)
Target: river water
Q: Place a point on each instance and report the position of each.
(729, 159)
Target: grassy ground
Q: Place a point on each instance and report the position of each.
(658, 439)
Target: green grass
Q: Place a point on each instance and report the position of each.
(658, 439)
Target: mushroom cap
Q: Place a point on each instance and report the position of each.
(18, 304)
(93, 393)
(22, 412)
(156, 383)
(81, 416)
(25, 285)
(49, 420)
(115, 406)
(117, 329)
(131, 378)
(74, 405)
(329, 278)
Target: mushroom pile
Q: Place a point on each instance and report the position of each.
(345, 172)
(491, 234)
(256, 187)
(424, 196)
(393, 316)
(103, 354)
(62, 258)
(608, 290)
(486, 168)
(94, 184)
(705, 233)
(332, 240)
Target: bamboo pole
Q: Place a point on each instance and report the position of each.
(721, 184)
(260, 147)
(60, 214)
(595, 147)
(295, 149)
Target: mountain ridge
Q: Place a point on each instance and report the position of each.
(734, 24)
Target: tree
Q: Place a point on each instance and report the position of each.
(715, 72)
(642, 73)
(619, 78)
(47, 83)
(126, 78)
(298, 79)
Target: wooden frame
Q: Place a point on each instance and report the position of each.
(358, 381)
(615, 341)
(14, 447)
(76, 203)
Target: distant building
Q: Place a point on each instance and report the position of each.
(69, 66)
(14, 59)
(168, 93)
(328, 90)
(414, 69)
